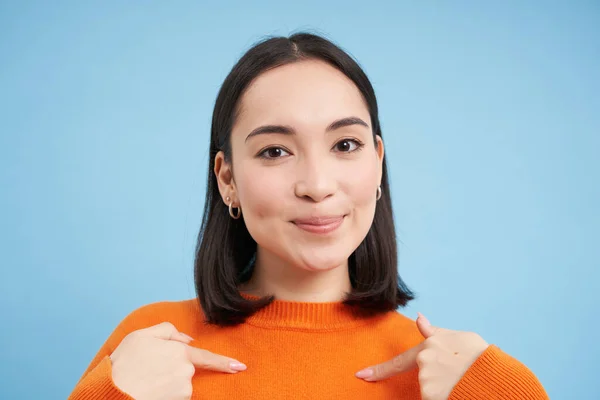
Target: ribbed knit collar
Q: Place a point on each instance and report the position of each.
(293, 315)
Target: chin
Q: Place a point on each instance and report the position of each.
(317, 262)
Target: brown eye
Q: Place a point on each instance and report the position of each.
(273, 153)
(347, 145)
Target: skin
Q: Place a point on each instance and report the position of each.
(279, 178)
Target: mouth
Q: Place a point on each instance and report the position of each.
(320, 225)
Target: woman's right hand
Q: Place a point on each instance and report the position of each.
(158, 363)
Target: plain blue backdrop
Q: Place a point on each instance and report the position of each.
(490, 112)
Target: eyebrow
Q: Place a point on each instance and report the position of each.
(288, 130)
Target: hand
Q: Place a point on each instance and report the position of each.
(158, 363)
(442, 359)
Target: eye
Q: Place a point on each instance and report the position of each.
(347, 145)
(272, 153)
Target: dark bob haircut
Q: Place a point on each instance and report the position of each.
(225, 251)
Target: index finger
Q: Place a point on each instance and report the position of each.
(215, 362)
(403, 362)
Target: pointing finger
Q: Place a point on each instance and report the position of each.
(215, 362)
(401, 363)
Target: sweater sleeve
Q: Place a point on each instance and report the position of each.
(96, 382)
(497, 375)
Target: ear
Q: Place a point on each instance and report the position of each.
(224, 175)
(379, 148)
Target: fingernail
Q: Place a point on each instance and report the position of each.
(365, 373)
(237, 366)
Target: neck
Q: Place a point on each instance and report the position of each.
(288, 282)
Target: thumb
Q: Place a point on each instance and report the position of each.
(425, 326)
(165, 331)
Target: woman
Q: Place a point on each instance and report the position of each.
(295, 269)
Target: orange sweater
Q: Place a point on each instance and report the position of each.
(306, 351)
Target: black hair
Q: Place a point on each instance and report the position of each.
(225, 251)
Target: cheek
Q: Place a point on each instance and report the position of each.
(260, 193)
(360, 184)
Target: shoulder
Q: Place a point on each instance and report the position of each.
(399, 331)
(181, 314)
(181, 308)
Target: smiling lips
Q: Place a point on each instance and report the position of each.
(320, 225)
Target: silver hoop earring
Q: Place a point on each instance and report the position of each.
(378, 192)
(238, 213)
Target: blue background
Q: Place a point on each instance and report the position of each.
(490, 112)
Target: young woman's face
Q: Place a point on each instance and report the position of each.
(305, 165)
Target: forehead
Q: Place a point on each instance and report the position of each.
(306, 92)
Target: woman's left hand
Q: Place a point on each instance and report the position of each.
(442, 358)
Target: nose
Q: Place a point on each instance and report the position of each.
(315, 179)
